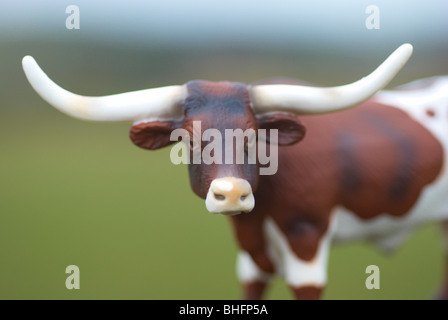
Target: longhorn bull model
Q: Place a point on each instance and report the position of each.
(374, 170)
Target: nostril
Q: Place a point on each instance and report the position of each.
(243, 197)
(219, 197)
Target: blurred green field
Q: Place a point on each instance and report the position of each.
(81, 193)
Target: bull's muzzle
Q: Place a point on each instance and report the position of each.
(229, 196)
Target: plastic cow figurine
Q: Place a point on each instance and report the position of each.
(351, 163)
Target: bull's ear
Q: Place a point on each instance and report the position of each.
(152, 135)
(290, 129)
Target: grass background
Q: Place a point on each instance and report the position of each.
(74, 192)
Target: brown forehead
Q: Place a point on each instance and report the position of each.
(220, 105)
(228, 97)
(221, 89)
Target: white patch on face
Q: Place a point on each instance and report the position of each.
(298, 272)
(224, 185)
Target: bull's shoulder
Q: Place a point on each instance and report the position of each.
(372, 159)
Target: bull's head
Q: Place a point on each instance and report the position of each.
(227, 187)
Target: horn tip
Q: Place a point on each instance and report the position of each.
(407, 49)
(28, 62)
(27, 59)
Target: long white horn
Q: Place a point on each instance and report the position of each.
(163, 103)
(311, 100)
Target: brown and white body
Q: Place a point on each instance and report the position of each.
(425, 102)
(373, 171)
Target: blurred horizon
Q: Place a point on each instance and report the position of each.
(287, 23)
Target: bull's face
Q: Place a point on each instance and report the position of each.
(227, 186)
(198, 106)
(229, 176)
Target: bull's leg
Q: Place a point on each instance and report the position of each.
(254, 264)
(443, 294)
(309, 292)
(306, 278)
(253, 279)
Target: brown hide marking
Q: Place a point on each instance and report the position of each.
(430, 113)
(394, 158)
(254, 290)
(372, 159)
(290, 130)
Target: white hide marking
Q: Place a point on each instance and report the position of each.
(385, 230)
(297, 272)
(247, 270)
(224, 185)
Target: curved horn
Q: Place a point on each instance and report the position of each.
(163, 103)
(311, 100)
